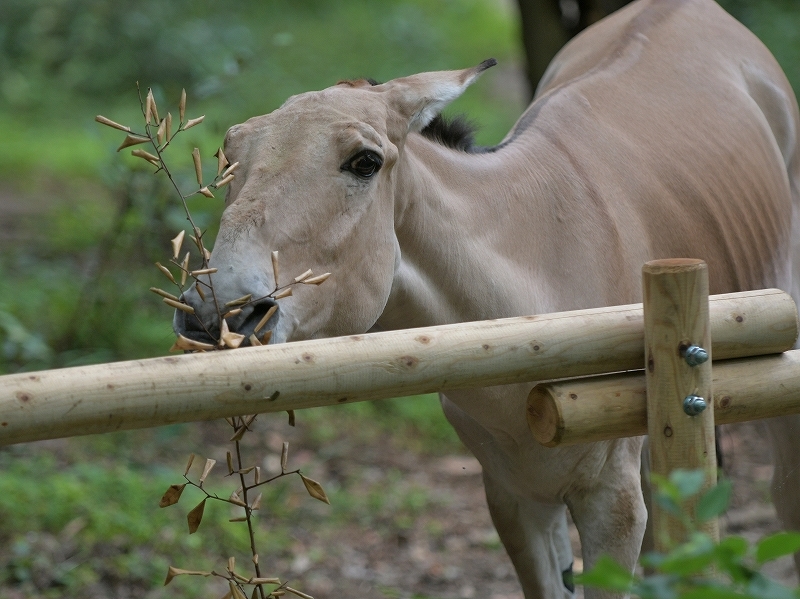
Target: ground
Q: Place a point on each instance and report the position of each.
(449, 549)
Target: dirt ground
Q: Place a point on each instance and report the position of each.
(452, 551)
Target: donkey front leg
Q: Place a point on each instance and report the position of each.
(536, 539)
(608, 507)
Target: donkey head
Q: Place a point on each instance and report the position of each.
(316, 183)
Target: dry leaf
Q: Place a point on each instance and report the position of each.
(203, 271)
(237, 436)
(291, 417)
(267, 336)
(236, 500)
(232, 340)
(205, 191)
(282, 294)
(182, 105)
(166, 272)
(172, 496)
(235, 592)
(300, 594)
(234, 312)
(200, 291)
(275, 269)
(186, 344)
(254, 341)
(151, 105)
(162, 129)
(224, 181)
(247, 470)
(131, 139)
(257, 476)
(207, 468)
(168, 121)
(185, 271)
(192, 122)
(189, 465)
(198, 167)
(257, 503)
(303, 276)
(284, 455)
(177, 242)
(315, 489)
(229, 458)
(239, 519)
(146, 156)
(265, 318)
(173, 572)
(179, 305)
(265, 581)
(110, 123)
(239, 301)
(230, 169)
(222, 162)
(163, 293)
(318, 280)
(196, 516)
(231, 564)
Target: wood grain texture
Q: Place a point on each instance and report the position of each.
(611, 406)
(676, 315)
(185, 388)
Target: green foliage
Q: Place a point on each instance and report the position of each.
(699, 568)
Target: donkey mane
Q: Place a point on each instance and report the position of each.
(455, 132)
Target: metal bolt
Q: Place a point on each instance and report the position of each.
(694, 405)
(695, 355)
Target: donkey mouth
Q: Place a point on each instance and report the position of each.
(258, 319)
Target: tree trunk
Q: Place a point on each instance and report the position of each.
(549, 24)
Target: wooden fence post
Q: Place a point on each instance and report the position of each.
(680, 412)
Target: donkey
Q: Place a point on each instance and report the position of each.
(666, 130)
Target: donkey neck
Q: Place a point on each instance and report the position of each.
(467, 230)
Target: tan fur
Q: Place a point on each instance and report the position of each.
(666, 130)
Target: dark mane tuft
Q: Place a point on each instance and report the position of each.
(456, 133)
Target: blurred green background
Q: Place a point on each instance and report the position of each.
(81, 226)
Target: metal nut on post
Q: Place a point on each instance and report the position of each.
(694, 405)
(695, 355)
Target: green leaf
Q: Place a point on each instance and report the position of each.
(688, 482)
(761, 587)
(777, 545)
(607, 574)
(714, 501)
(691, 557)
(705, 590)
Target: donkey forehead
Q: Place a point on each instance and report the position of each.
(341, 115)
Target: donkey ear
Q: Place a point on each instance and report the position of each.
(419, 98)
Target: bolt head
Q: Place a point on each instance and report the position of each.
(694, 405)
(695, 355)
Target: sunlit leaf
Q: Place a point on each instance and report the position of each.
(315, 489)
(714, 501)
(607, 574)
(777, 545)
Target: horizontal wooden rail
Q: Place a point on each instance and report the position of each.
(184, 388)
(612, 406)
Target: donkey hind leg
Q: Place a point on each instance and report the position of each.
(784, 433)
(609, 510)
(536, 539)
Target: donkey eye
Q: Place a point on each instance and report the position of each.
(364, 164)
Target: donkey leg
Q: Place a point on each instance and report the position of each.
(536, 539)
(609, 511)
(783, 432)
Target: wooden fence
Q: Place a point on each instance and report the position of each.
(749, 331)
